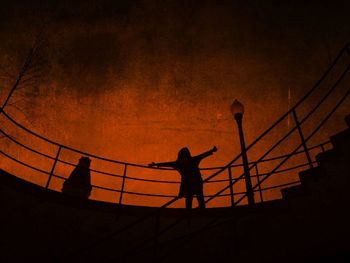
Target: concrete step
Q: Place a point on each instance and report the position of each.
(347, 120)
(311, 175)
(326, 156)
(297, 191)
(341, 140)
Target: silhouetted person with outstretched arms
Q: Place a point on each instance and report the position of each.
(79, 182)
(191, 179)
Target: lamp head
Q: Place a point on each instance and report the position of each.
(237, 109)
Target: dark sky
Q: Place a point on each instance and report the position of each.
(90, 39)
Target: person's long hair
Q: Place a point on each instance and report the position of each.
(184, 155)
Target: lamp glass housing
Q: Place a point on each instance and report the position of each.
(237, 108)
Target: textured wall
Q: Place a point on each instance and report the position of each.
(137, 80)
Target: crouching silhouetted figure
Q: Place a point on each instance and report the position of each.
(191, 179)
(79, 182)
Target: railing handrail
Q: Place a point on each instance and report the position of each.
(133, 164)
(73, 149)
(153, 180)
(147, 194)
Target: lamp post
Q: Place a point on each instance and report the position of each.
(237, 110)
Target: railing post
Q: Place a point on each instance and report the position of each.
(231, 186)
(259, 185)
(302, 139)
(53, 167)
(123, 184)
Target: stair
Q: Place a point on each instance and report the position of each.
(326, 156)
(309, 176)
(332, 172)
(341, 141)
(297, 191)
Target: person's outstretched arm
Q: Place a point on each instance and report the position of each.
(206, 154)
(165, 164)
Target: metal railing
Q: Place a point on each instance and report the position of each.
(124, 177)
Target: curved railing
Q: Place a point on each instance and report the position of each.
(126, 177)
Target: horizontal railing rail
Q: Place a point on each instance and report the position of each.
(151, 194)
(153, 180)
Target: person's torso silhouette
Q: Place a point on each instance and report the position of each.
(79, 182)
(191, 179)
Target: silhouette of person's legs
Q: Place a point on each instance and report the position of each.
(189, 198)
(200, 198)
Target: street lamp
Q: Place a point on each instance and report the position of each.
(237, 110)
